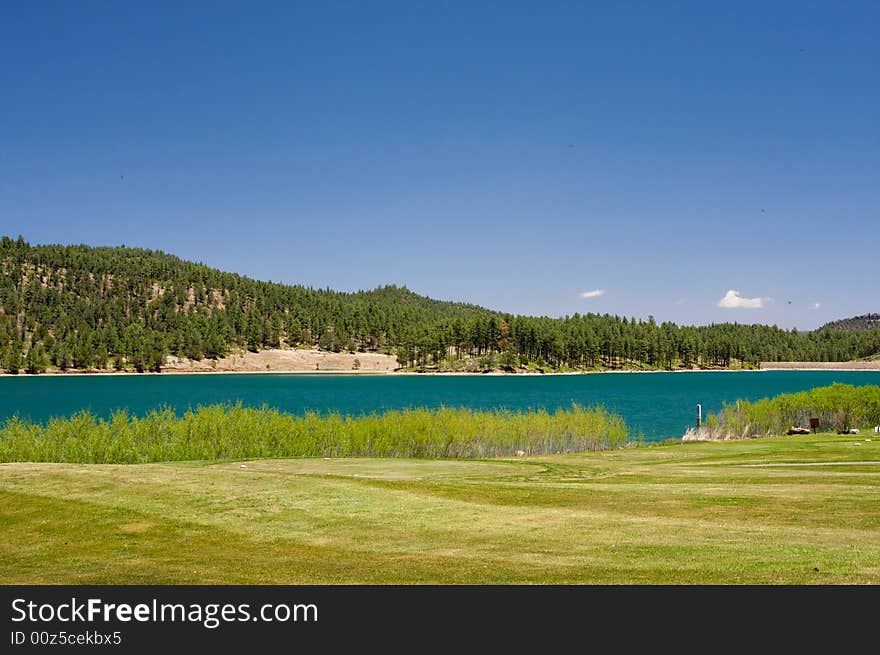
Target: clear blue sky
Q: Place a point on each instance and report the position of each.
(514, 155)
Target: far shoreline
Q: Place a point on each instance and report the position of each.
(341, 372)
(314, 361)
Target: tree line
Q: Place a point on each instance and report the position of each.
(81, 307)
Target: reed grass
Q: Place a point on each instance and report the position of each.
(839, 407)
(236, 432)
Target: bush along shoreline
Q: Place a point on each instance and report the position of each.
(219, 432)
(838, 408)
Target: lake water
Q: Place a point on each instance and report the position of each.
(659, 405)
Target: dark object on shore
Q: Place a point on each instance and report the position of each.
(798, 430)
(814, 424)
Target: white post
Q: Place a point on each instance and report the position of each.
(699, 415)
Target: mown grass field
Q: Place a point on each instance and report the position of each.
(678, 513)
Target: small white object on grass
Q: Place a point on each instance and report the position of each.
(242, 466)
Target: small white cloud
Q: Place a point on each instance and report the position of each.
(595, 293)
(817, 305)
(681, 301)
(733, 300)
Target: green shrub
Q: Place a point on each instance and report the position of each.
(838, 407)
(237, 432)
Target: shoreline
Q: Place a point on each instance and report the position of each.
(313, 361)
(175, 372)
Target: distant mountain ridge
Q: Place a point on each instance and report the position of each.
(94, 308)
(862, 323)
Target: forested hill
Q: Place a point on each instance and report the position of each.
(864, 322)
(83, 307)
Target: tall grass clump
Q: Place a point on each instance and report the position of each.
(839, 407)
(237, 432)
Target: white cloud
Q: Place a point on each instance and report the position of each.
(733, 300)
(595, 293)
(817, 305)
(681, 301)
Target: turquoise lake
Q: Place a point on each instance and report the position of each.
(659, 405)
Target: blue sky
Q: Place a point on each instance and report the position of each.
(515, 155)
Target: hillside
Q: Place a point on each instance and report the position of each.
(863, 323)
(87, 307)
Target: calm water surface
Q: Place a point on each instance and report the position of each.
(659, 405)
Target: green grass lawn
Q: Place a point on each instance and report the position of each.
(679, 513)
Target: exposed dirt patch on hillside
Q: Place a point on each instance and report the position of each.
(293, 361)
